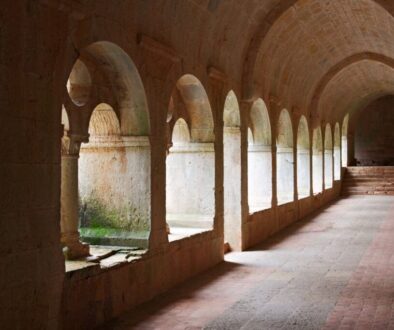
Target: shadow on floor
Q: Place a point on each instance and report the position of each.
(193, 287)
(180, 293)
(293, 229)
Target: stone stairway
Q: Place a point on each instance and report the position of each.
(371, 180)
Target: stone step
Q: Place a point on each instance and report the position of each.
(369, 184)
(377, 180)
(368, 189)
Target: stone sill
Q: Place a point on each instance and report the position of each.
(259, 209)
(82, 269)
(181, 233)
(300, 198)
(286, 202)
(86, 267)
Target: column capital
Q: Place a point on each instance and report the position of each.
(71, 143)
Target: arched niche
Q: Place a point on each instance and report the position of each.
(232, 171)
(259, 158)
(114, 183)
(317, 161)
(328, 157)
(303, 159)
(337, 152)
(345, 126)
(284, 159)
(190, 163)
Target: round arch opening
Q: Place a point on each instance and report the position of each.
(284, 159)
(303, 159)
(190, 162)
(259, 158)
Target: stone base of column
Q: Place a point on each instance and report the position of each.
(76, 250)
(73, 248)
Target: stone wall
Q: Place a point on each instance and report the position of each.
(374, 135)
(114, 176)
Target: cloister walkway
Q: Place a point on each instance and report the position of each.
(334, 270)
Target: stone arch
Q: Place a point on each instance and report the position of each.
(65, 120)
(232, 172)
(303, 159)
(328, 157)
(125, 85)
(79, 83)
(255, 48)
(339, 67)
(180, 132)
(344, 140)
(231, 113)
(254, 53)
(196, 102)
(317, 160)
(284, 158)
(337, 152)
(285, 130)
(259, 158)
(260, 123)
(104, 122)
(190, 162)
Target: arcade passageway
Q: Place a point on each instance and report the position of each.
(145, 142)
(333, 270)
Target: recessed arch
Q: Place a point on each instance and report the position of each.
(337, 152)
(259, 158)
(303, 159)
(232, 172)
(328, 157)
(284, 159)
(317, 161)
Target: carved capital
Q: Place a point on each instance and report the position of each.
(71, 144)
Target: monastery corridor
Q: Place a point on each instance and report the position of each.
(197, 164)
(334, 270)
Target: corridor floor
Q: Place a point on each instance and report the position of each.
(334, 270)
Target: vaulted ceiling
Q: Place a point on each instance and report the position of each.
(324, 57)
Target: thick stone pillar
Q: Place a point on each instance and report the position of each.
(69, 202)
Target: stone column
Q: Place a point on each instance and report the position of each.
(69, 201)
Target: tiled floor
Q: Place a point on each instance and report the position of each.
(333, 271)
